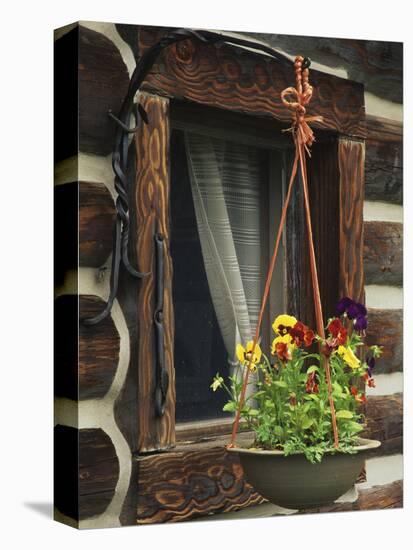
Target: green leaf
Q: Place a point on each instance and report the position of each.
(280, 383)
(253, 412)
(344, 414)
(307, 423)
(313, 396)
(355, 427)
(231, 406)
(313, 368)
(337, 387)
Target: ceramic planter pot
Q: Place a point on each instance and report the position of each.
(294, 482)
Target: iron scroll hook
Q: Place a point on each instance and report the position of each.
(120, 150)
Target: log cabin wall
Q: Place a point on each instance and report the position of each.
(96, 408)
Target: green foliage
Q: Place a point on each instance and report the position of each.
(285, 412)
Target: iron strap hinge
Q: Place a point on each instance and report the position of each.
(161, 374)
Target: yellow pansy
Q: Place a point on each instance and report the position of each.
(282, 322)
(348, 355)
(244, 354)
(286, 339)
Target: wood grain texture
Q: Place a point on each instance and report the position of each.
(151, 208)
(385, 328)
(103, 82)
(86, 471)
(384, 416)
(383, 253)
(191, 481)
(323, 184)
(377, 64)
(98, 350)
(86, 357)
(351, 232)
(384, 160)
(98, 472)
(240, 80)
(380, 497)
(96, 222)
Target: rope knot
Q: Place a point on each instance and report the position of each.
(295, 99)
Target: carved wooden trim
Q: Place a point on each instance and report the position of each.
(152, 214)
(351, 180)
(191, 481)
(240, 80)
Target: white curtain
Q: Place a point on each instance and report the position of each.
(225, 183)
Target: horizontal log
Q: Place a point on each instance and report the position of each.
(98, 472)
(377, 64)
(97, 216)
(86, 471)
(383, 129)
(84, 221)
(98, 350)
(240, 80)
(384, 416)
(191, 481)
(383, 253)
(86, 356)
(385, 328)
(103, 82)
(380, 497)
(384, 160)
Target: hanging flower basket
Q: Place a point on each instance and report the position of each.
(294, 482)
(296, 459)
(303, 406)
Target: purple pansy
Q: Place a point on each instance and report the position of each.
(355, 311)
(360, 323)
(342, 305)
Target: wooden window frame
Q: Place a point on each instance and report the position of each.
(237, 81)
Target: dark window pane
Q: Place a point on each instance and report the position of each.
(199, 348)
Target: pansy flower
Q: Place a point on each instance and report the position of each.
(359, 397)
(370, 381)
(282, 347)
(246, 357)
(283, 323)
(355, 311)
(338, 333)
(301, 334)
(311, 384)
(342, 305)
(348, 355)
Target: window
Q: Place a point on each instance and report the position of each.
(224, 209)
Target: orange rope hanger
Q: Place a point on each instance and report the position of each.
(295, 99)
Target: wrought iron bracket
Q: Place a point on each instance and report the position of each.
(120, 150)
